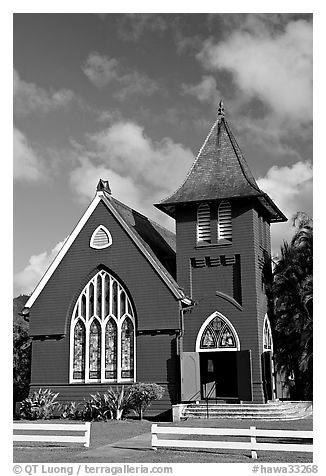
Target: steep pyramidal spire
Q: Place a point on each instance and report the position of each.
(219, 171)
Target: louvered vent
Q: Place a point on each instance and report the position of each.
(101, 238)
(224, 223)
(204, 223)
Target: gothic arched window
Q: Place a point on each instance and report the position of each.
(267, 336)
(102, 333)
(217, 333)
(204, 223)
(224, 221)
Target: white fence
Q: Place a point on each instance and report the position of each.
(251, 432)
(35, 435)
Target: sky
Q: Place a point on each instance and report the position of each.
(130, 98)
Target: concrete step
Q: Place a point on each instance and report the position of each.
(268, 411)
(253, 406)
(233, 412)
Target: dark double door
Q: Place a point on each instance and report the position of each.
(216, 375)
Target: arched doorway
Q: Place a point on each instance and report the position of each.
(267, 361)
(218, 346)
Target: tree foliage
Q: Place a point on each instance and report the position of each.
(292, 298)
(21, 351)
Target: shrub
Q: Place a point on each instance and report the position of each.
(113, 404)
(40, 405)
(143, 394)
(119, 401)
(98, 407)
(70, 411)
(88, 413)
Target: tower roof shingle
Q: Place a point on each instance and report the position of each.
(220, 171)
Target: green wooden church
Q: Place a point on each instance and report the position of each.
(126, 300)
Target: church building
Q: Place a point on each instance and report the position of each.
(126, 300)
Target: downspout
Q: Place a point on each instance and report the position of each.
(181, 330)
(185, 305)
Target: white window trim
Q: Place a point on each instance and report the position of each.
(103, 321)
(220, 349)
(106, 231)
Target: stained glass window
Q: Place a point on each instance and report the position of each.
(111, 336)
(122, 303)
(107, 344)
(115, 299)
(127, 349)
(99, 296)
(91, 300)
(83, 306)
(107, 293)
(95, 350)
(79, 350)
(217, 334)
(208, 339)
(267, 336)
(226, 338)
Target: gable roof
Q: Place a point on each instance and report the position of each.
(219, 172)
(155, 242)
(158, 242)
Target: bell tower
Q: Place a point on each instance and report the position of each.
(223, 249)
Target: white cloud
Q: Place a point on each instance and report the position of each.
(291, 190)
(31, 98)
(205, 91)
(127, 150)
(85, 177)
(136, 83)
(138, 169)
(102, 71)
(26, 280)
(275, 67)
(26, 162)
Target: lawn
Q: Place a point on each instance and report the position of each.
(105, 433)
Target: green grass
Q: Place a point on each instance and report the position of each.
(104, 433)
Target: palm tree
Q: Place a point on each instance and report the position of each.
(292, 298)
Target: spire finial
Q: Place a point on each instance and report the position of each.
(220, 111)
(103, 186)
